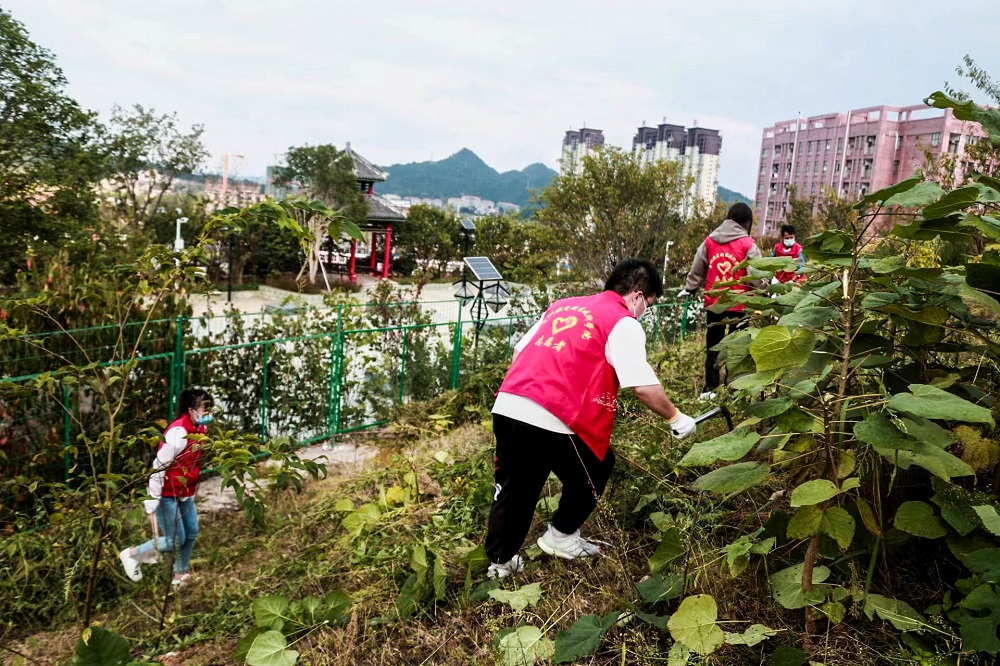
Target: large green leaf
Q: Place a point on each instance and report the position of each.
(805, 522)
(899, 613)
(364, 516)
(786, 655)
(988, 117)
(656, 588)
(772, 264)
(838, 524)
(786, 585)
(931, 402)
(920, 195)
(985, 562)
(755, 634)
(919, 519)
(734, 478)
(954, 201)
(778, 347)
(730, 446)
(978, 617)
(521, 598)
(880, 196)
(756, 382)
(989, 225)
(694, 624)
(983, 276)
(678, 655)
(100, 647)
(271, 612)
(934, 315)
(269, 649)
(900, 449)
(813, 317)
(670, 549)
(583, 638)
(770, 408)
(524, 646)
(814, 492)
(989, 517)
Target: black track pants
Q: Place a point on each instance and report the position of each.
(525, 455)
(713, 335)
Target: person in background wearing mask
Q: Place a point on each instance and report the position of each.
(716, 261)
(172, 487)
(556, 408)
(789, 248)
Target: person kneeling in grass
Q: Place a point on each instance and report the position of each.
(172, 487)
(556, 408)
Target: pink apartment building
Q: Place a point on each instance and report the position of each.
(854, 153)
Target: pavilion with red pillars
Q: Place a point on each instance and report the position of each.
(378, 225)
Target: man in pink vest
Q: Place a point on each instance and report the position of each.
(556, 408)
(789, 248)
(716, 261)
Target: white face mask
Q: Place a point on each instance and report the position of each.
(635, 309)
(788, 242)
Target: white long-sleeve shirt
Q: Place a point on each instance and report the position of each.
(174, 443)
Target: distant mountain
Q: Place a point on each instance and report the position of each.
(466, 173)
(730, 196)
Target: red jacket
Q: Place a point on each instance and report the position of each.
(722, 261)
(565, 370)
(181, 478)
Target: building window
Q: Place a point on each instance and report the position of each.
(869, 144)
(824, 167)
(808, 167)
(867, 172)
(774, 189)
(852, 143)
(791, 149)
(763, 169)
(797, 165)
(953, 140)
(848, 165)
(836, 167)
(899, 141)
(815, 167)
(827, 145)
(840, 144)
(936, 139)
(764, 153)
(895, 167)
(777, 149)
(971, 140)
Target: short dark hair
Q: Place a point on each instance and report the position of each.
(787, 229)
(741, 214)
(193, 398)
(635, 275)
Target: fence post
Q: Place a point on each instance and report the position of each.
(684, 318)
(456, 350)
(177, 365)
(67, 423)
(263, 400)
(402, 367)
(331, 391)
(656, 324)
(338, 370)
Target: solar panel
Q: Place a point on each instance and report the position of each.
(467, 224)
(483, 268)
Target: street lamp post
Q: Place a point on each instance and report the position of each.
(178, 239)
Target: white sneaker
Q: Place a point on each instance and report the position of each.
(514, 565)
(181, 579)
(131, 565)
(152, 557)
(566, 546)
(707, 395)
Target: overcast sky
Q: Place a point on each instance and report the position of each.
(413, 80)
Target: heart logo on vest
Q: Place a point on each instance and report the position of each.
(562, 323)
(725, 268)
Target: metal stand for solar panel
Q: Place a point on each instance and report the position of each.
(491, 294)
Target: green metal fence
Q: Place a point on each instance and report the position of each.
(310, 376)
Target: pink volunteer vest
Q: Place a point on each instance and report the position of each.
(722, 262)
(564, 369)
(781, 251)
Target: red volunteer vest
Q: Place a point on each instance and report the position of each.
(564, 369)
(781, 251)
(181, 478)
(722, 261)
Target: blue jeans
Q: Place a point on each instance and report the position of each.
(178, 523)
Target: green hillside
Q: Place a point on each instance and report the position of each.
(466, 173)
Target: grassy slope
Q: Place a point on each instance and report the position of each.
(304, 549)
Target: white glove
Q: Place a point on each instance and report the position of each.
(683, 293)
(682, 425)
(150, 506)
